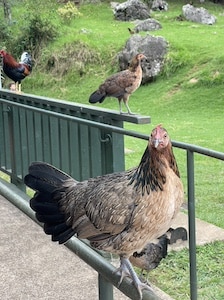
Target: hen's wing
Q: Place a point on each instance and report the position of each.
(119, 84)
(112, 205)
(103, 204)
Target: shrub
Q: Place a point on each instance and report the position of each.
(74, 57)
(5, 34)
(35, 36)
(68, 12)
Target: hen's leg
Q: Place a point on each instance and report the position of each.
(127, 270)
(128, 108)
(125, 99)
(120, 106)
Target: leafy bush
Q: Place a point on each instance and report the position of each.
(5, 34)
(68, 12)
(35, 36)
(73, 58)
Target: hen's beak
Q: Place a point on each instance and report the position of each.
(156, 143)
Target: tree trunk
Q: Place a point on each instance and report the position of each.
(7, 10)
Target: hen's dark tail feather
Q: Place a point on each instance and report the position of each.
(96, 97)
(48, 182)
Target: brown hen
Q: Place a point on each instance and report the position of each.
(121, 85)
(118, 212)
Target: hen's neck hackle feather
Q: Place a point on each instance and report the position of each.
(150, 175)
(135, 62)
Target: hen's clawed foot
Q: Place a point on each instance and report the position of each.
(126, 270)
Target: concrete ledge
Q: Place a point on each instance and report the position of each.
(205, 232)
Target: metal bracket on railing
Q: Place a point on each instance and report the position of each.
(107, 139)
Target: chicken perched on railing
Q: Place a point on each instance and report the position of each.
(16, 71)
(118, 212)
(121, 85)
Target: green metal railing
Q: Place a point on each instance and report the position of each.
(83, 142)
(63, 134)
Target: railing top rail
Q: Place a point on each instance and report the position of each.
(199, 150)
(73, 107)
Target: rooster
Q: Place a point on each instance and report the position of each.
(121, 85)
(118, 212)
(14, 70)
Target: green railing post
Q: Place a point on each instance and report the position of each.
(14, 178)
(191, 224)
(105, 288)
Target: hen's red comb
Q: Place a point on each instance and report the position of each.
(159, 126)
(158, 130)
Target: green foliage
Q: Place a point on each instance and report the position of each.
(5, 34)
(68, 12)
(38, 33)
(39, 6)
(176, 59)
(75, 56)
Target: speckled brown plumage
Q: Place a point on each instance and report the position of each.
(121, 85)
(118, 212)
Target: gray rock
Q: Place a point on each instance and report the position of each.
(154, 48)
(198, 15)
(130, 10)
(159, 5)
(147, 25)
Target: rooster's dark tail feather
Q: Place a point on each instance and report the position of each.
(96, 97)
(48, 182)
